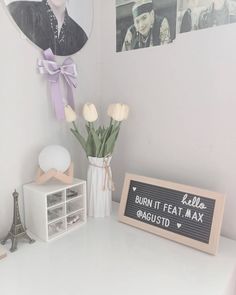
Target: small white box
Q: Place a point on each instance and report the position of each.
(53, 209)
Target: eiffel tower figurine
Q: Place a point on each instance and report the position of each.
(17, 230)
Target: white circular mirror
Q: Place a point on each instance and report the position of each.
(62, 25)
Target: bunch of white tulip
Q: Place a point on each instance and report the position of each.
(100, 141)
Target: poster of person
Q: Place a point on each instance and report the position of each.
(201, 14)
(62, 25)
(144, 23)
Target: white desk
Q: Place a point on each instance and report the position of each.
(105, 257)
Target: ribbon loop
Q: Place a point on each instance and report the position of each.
(53, 71)
(108, 183)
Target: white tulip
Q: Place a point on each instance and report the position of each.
(118, 111)
(126, 111)
(89, 112)
(110, 110)
(70, 114)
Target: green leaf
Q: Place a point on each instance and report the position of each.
(80, 138)
(106, 135)
(87, 128)
(102, 133)
(90, 146)
(110, 143)
(99, 132)
(97, 142)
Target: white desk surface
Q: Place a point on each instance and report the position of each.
(105, 257)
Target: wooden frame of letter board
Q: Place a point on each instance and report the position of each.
(3, 253)
(211, 247)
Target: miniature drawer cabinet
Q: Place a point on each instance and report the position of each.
(53, 209)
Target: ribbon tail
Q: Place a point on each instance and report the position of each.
(111, 183)
(48, 54)
(70, 96)
(57, 101)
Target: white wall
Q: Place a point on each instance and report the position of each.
(182, 96)
(27, 122)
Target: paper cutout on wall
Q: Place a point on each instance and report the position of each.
(63, 26)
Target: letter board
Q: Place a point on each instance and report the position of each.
(185, 214)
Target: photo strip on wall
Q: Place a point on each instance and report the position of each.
(148, 23)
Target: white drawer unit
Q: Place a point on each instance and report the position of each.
(53, 209)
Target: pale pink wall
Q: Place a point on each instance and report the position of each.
(182, 125)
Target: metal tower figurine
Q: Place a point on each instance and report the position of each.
(17, 230)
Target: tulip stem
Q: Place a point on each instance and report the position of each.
(90, 125)
(76, 130)
(79, 137)
(75, 127)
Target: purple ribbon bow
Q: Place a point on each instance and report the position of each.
(53, 71)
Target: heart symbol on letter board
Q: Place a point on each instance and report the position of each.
(179, 225)
(134, 188)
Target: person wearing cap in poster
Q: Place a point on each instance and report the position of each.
(148, 29)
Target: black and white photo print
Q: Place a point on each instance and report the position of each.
(201, 14)
(62, 25)
(144, 23)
